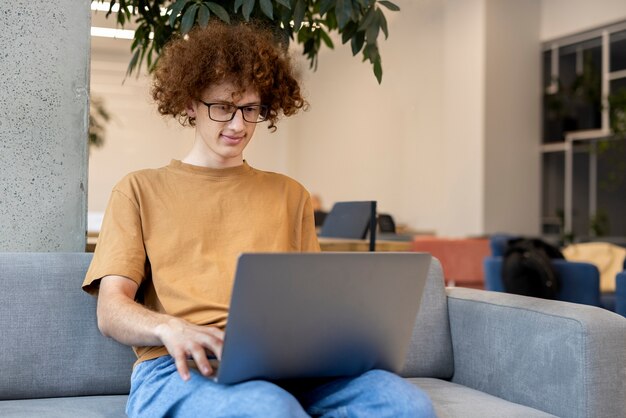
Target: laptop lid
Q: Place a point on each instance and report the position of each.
(300, 315)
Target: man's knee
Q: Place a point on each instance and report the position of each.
(398, 397)
(263, 399)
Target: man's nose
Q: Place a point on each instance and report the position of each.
(237, 122)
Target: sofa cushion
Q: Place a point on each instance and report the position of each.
(76, 407)
(452, 400)
(430, 351)
(51, 346)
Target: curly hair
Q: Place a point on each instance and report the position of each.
(243, 54)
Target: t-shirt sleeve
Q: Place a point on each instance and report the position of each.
(120, 248)
(309, 235)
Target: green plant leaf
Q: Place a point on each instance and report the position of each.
(219, 11)
(298, 14)
(391, 6)
(326, 39)
(371, 53)
(149, 56)
(378, 70)
(372, 30)
(325, 6)
(248, 5)
(124, 12)
(139, 36)
(343, 10)
(204, 14)
(111, 4)
(348, 32)
(175, 9)
(133, 63)
(357, 42)
(368, 19)
(303, 36)
(344, 17)
(382, 20)
(267, 8)
(189, 18)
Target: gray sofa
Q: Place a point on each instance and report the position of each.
(476, 353)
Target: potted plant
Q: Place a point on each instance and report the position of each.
(307, 22)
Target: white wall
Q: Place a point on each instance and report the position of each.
(566, 17)
(463, 121)
(136, 137)
(512, 117)
(364, 141)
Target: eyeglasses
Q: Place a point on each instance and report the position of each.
(225, 112)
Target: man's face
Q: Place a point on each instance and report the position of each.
(223, 142)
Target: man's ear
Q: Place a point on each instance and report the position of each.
(191, 109)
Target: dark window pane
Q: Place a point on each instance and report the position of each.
(618, 51)
(588, 90)
(547, 69)
(617, 99)
(580, 192)
(612, 186)
(577, 104)
(567, 66)
(552, 119)
(553, 192)
(617, 85)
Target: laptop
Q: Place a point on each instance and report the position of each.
(315, 315)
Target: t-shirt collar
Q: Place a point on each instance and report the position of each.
(239, 170)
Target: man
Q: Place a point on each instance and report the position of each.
(164, 264)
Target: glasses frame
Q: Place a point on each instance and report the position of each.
(264, 110)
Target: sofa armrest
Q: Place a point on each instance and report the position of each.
(562, 358)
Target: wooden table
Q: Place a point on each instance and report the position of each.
(328, 244)
(338, 244)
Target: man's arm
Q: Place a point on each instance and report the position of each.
(130, 323)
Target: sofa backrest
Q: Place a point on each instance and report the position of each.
(430, 352)
(50, 345)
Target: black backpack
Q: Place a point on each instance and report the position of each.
(526, 268)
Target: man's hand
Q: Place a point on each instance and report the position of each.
(130, 323)
(184, 340)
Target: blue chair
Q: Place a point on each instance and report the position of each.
(620, 293)
(580, 282)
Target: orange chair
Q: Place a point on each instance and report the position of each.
(461, 258)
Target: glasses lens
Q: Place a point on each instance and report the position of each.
(254, 113)
(221, 112)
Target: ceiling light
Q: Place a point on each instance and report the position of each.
(112, 33)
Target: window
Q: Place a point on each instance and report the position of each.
(584, 148)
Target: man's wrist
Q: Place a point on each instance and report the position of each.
(167, 325)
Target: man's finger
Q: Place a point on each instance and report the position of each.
(181, 365)
(202, 362)
(214, 345)
(213, 341)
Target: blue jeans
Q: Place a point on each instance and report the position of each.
(158, 391)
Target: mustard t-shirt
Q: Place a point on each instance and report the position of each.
(177, 232)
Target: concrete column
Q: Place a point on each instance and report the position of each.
(44, 86)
